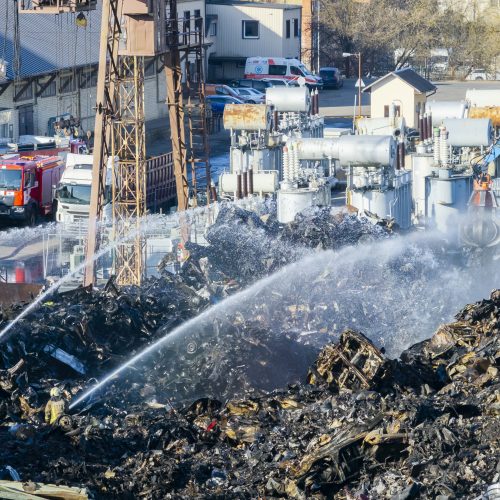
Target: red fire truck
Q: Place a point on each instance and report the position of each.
(27, 185)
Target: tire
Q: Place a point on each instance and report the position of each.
(479, 78)
(53, 214)
(251, 102)
(31, 217)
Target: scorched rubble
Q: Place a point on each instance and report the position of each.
(355, 425)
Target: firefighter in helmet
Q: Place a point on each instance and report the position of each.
(55, 407)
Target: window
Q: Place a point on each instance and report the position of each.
(187, 20)
(67, 83)
(296, 28)
(29, 179)
(50, 90)
(250, 29)
(295, 71)
(397, 110)
(198, 20)
(213, 28)
(287, 28)
(10, 179)
(277, 69)
(26, 94)
(88, 78)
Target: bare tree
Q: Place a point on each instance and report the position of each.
(401, 31)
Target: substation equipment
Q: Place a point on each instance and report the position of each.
(259, 133)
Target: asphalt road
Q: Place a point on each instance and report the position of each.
(338, 103)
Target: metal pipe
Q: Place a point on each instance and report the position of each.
(421, 127)
(401, 156)
(213, 191)
(250, 181)
(276, 121)
(397, 157)
(424, 122)
(429, 126)
(238, 186)
(244, 183)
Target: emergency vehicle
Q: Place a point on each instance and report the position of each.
(280, 67)
(27, 186)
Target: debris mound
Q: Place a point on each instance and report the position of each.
(361, 425)
(302, 420)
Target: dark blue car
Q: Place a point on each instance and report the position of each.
(218, 102)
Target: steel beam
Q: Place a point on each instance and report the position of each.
(108, 55)
(129, 174)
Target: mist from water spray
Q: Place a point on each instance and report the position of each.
(395, 291)
(148, 223)
(171, 336)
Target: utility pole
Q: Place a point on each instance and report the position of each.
(359, 82)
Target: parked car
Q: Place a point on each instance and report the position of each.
(250, 95)
(220, 89)
(332, 78)
(480, 74)
(260, 85)
(218, 102)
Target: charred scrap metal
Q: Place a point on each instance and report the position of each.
(346, 422)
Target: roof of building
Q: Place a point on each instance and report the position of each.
(260, 5)
(409, 76)
(48, 42)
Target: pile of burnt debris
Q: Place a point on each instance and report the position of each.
(354, 425)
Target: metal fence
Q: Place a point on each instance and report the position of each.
(160, 182)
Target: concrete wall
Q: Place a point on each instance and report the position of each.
(271, 41)
(396, 90)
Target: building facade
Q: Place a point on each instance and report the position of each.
(51, 67)
(405, 89)
(51, 71)
(238, 30)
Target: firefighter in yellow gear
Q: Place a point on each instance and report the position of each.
(55, 407)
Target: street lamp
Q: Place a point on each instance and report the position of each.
(358, 55)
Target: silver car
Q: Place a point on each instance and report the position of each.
(250, 95)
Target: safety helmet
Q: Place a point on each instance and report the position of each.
(55, 392)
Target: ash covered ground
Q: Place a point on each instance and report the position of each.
(234, 398)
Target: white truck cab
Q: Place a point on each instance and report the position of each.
(73, 191)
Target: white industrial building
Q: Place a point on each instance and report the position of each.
(246, 29)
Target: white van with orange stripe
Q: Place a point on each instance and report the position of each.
(280, 67)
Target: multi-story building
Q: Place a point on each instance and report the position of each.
(239, 29)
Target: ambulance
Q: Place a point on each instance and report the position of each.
(280, 67)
